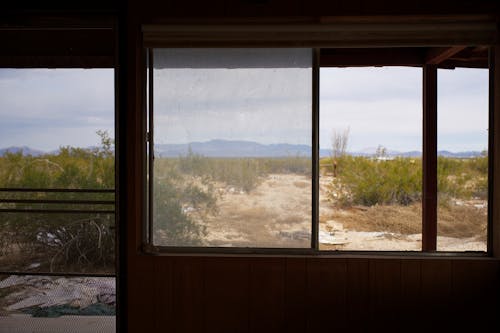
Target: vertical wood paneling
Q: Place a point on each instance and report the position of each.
(436, 293)
(296, 306)
(227, 296)
(188, 294)
(385, 294)
(326, 295)
(358, 290)
(140, 283)
(185, 294)
(163, 295)
(411, 292)
(267, 295)
(475, 291)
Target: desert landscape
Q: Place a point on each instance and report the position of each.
(275, 212)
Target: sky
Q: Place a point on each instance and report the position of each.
(383, 106)
(46, 108)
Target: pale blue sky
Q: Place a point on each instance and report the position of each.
(46, 108)
(383, 106)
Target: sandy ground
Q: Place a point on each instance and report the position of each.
(275, 214)
(76, 324)
(278, 214)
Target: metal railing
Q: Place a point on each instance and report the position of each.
(43, 201)
(82, 204)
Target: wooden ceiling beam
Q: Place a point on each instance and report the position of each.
(359, 57)
(435, 56)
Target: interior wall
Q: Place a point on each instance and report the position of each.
(197, 294)
(286, 294)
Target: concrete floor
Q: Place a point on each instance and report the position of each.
(64, 324)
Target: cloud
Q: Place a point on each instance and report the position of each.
(268, 105)
(46, 108)
(384, 106)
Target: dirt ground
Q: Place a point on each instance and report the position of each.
(278, 214)
(275, 214)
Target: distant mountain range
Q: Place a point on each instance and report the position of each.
(234, 148)
(229, 148)
(26, 151)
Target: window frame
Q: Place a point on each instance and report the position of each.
(93, 45)
(195, 36)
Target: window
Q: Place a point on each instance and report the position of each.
(462, 159)
(57, 170)
(260, 149)
(57, 174)
(370, 158)
(231, 135)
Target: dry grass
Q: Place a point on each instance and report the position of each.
(453, 221)
(386, 218)
(462, 222)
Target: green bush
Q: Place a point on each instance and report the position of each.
(61, 242)
(462, 178)
(398, 181)
(368, 182)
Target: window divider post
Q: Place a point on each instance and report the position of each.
(429, 159)
(315, 150)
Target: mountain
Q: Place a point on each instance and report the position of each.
(26, 151)
(462, 154)
(229, 148)
(238, 148)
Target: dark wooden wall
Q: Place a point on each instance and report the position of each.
(362, 293)
(187, 294)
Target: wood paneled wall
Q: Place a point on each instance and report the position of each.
(195, 294)
(284, 294)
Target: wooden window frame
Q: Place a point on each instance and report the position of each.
(387, 40)
(65, 43)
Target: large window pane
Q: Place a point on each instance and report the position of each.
(463, 159)
(370, 158)
(57, 170)
(232, 142)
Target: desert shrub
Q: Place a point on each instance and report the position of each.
(238, 172)
(172, 225)
(62, 242)
(369, 182)
(181, 201)
(462, 178)
(242, 173)
(292, 164)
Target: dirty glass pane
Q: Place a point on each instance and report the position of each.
(370, 159)
(462, 159)
(232, 143)
(57, 170)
